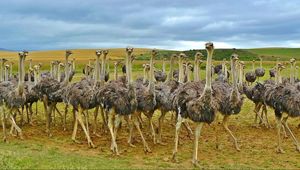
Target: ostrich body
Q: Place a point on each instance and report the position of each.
(260, 72)
(161, 75)
(200, 109)
(251, 76)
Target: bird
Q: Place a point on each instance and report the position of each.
(285, 102)
(260, 72)
(121, 101)
(251, 76)
(14, 99)
(200, 108)
(231, 101)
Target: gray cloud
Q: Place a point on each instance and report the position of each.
(61, 24)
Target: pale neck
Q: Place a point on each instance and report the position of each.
(196, 70)
(233, 72)
(292, 78)
(144, 75)
(97, 70)
(170, 77)
(1, 71)
(11, 69)
(21, 76)
(59, 74)
(73, 65)
(188, 74)
(67, 70)
(164, 66)
(6, 74)
(208, 71)
(116, 72)
(127, 68)
(151, 79)
(181, 73)
(35, 77)
(241, 76)
(225, 72)
(102, 72)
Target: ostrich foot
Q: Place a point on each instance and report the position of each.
(279, 150)
(76, 141)
(159, 141)
(174, 157)
(91, 144)
(132, 145)
(21, 136)
(147, 149)
(237, 147)
(114, 149)
(96, 134)
(196, 163)
(298, 148)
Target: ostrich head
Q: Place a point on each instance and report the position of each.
(292, 60)
(209, 47)
(129, 50)
(234, 57)
(68, 53)
(198, 56)
(98, 53)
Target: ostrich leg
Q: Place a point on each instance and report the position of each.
(160, 124)
(65, 117)
(285, 124)
(137, 125)
(279, 140)
(4, 124)
(75, 129)
(256, 111)
(79, 119)
(13, 122)
(225, 125)
(180, 120)
(114, 146)
(197, 135)
(130, 126)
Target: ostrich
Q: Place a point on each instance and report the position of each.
(231, 101)
(251, 76)
(146, 99)
(15, 99)
(297, 73)
(160, 75)
(292, 71)
(260, 72)
(283, 99)
(119, 102)
(6, 72)
(201, 107)
(46, 89)
(198, 62)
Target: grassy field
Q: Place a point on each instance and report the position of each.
(283, 53)
(37, 151)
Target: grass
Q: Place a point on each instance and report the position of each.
(37, 151)
(283, 53)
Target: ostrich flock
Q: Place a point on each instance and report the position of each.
(121, 101)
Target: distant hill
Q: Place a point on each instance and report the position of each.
(144, 53)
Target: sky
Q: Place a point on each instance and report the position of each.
(163, 24)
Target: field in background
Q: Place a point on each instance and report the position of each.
(59, 152)
(283, 53)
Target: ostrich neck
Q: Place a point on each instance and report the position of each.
(188, 74)
(170, 77)
(102, 72)
(116, 72)
(73, 65)
(11, 68)
(208, 72)
(292, 80)
(233, 72)
(21, 76)
(67, 70)
(151, 84)
(181, 73)
(164, 66)
(59, 74)
(144, 75)
(241, 76)
(35, 77)
(196, 70)
(1, 71)
(97, 68)
(225, 72)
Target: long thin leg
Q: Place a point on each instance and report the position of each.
(31, 113)
(86, 115)
(177, 130)
(130, 126)
(151, 127)
(285, 124)
(4, 124)
(160, 125)
(279, 140)
(197, 135)
(225, 125)
(95, 120)
(265, 110)
(16, 126)
(65, 117)
(79, 118)
(114, 146)
(75, 131)
(117, 124)
(136, 123)
(188, 129)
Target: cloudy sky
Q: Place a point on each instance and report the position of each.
(176, 24)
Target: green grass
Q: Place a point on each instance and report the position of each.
(283, 53)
